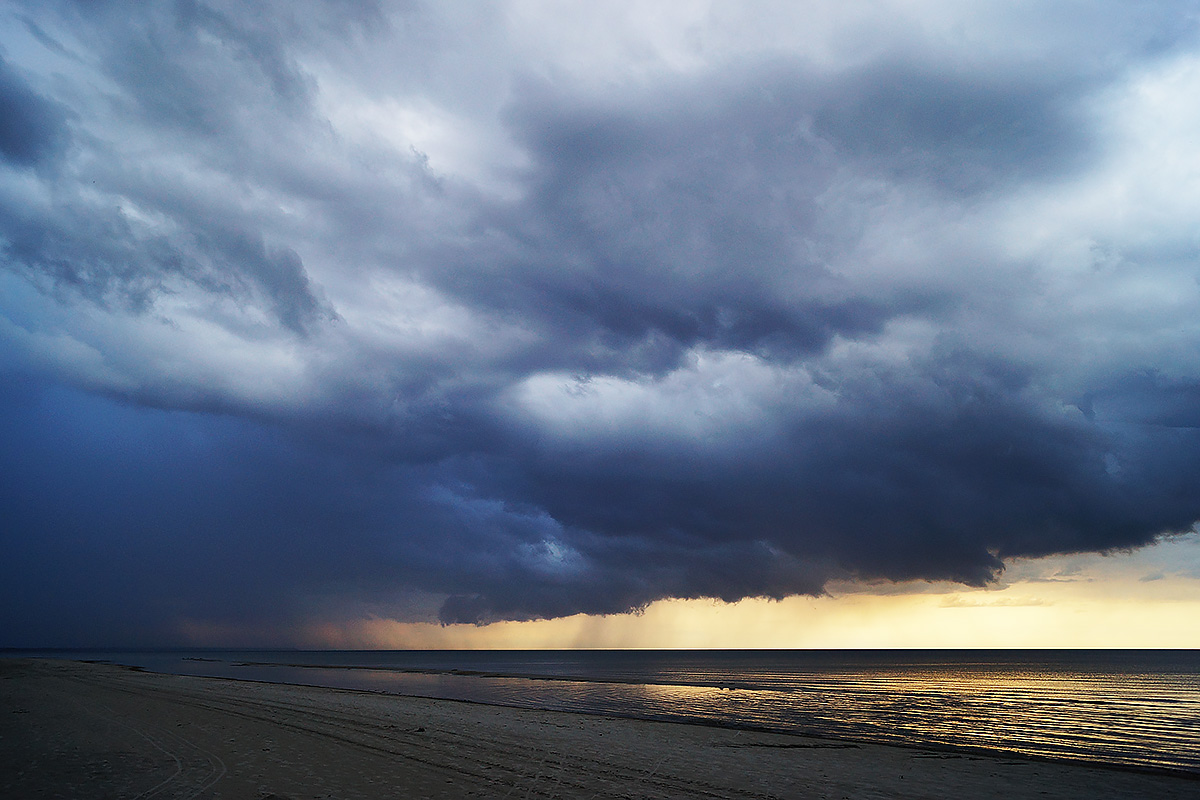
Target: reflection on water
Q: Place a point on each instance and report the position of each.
(1133, 708)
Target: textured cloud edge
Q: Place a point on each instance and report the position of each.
(510, 313)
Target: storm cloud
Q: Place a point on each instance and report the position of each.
(322, 309)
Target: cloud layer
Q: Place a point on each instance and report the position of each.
(337, 308)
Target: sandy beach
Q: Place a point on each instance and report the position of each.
(74, 730)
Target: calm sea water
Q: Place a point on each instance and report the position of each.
(1134, 708)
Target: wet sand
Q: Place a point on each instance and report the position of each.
(74, 730)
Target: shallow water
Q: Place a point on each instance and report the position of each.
(1134, 708)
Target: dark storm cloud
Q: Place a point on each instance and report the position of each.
(166, 59)
(963, 133)
(32, 128)
(695, 217)
(939, 474)
(100, 254)
(726, 332)
(150, 516)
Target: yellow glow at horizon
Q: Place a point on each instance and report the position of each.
(955, 620)
(1149, 598)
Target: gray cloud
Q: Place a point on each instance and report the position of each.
(963, 133)
(33, 128)
(440, 319)
(105, 256)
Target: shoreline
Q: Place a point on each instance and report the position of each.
(834, 741)
(185, 736)
(930, 744)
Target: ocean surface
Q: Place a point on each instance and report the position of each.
(1136, 708)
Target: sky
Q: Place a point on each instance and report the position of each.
(340, 323)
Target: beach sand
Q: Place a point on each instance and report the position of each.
(75, 730)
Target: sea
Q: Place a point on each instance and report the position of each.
(1136, 709)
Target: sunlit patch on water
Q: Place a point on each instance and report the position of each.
(1139, 708)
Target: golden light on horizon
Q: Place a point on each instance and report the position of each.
(1145, 599)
